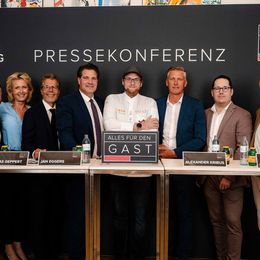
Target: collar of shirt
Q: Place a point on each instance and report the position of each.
(129, 99)
(213, 108)
(47, 106)
(85, 97)
(171, 104)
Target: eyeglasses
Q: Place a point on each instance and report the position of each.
(134, 80)
(224, 89)
(54, 88)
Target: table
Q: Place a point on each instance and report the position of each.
(176, 166)
(97, 168)
(55, 169)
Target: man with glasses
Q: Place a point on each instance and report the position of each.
(130, 111)
(182, 128)
(224, 194)
(39, 133)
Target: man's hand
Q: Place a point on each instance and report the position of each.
(166, 152)
(36, 153)
(150, 123)
(224, 184)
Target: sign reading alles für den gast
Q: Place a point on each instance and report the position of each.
(138, 147)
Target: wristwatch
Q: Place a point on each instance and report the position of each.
(139, 125)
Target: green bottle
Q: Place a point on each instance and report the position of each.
(252, 156)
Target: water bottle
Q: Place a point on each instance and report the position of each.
(86, 154)
(244, 151)
(215, 145)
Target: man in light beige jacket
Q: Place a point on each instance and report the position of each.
(224, 194)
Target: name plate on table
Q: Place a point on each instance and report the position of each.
(60, 158)
(204, 159)
(13, 158)
(132, 147)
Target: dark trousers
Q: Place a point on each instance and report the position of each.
(130, 204)
(181, 195)
(75, 197)
(225, 208)
(47, 215)
(14, 207)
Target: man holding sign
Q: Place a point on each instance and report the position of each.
(130, 111)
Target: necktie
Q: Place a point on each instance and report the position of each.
(97, 126)
(53, 127)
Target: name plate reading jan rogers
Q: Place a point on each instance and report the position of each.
(204, 159)
(13, 158)
(132, 147)
(60, 158)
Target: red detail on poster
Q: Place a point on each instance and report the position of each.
(116, 158)
(258, 57)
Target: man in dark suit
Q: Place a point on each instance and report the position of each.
(39, 133)
(182, 127)
(75, 118)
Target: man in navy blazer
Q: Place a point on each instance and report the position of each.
(39, 133)
(182, 127)
(75, 119)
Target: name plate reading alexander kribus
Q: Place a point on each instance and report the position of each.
(132, 147)
(60, 158)
(13, 158)
(204, 159)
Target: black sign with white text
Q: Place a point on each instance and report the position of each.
(60, 158)
(13, 158)
(204, 159)
(141, 147)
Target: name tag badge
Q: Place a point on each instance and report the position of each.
(204, 159)
(14, 158)
(60, 158)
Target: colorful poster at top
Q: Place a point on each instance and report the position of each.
(181, 2)
(71, 3)
(21, 3)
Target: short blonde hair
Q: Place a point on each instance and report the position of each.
(17, 76)
(179, 68)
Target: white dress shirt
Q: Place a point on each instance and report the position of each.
(48, 107)
(215, 123)
(122, 111)
(170, 123)
(88, 104)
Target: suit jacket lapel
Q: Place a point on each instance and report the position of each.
(44, 115)
(226, 118)
(184, 106)
(84, 109)
(257, 122)
(209, 116)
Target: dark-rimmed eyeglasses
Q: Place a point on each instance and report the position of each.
(224, 89)
(133, 80)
